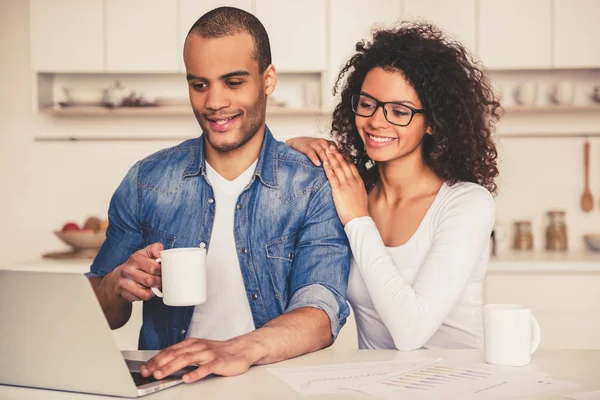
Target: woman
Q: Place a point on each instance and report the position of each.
(415, 120)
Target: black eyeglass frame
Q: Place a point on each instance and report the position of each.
(382, 104)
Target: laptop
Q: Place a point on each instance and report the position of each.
(53, 335)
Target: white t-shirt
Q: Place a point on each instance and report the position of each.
(428, 291)
(226, 313)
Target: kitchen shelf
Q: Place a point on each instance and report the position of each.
(158, 111)
(551, 108)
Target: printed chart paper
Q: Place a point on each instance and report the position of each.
(329, 379)
(457, 380)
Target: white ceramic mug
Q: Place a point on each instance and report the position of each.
(511, 334)
(183, 273)
(563, 92)
(501, 233)
(596, 94)
(526, 93)
(312, 95)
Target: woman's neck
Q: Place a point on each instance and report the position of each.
(403, 178)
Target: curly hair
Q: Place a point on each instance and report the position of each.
(459, 102)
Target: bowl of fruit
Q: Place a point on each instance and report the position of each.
(86, 239)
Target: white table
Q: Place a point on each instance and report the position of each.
(578, 366)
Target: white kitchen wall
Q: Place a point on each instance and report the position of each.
(44, 184)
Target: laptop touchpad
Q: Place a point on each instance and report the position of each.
(135, 365)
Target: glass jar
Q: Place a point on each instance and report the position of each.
(556, 231)
(523, 239)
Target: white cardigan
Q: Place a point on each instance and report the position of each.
(427, 292)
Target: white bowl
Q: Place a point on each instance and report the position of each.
(83, 239)
(592, 241)
(84, 95)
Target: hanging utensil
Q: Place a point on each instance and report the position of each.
(587, 200)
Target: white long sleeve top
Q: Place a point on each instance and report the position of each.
(428, 291)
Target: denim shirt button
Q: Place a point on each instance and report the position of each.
(182, 332)
(244, 250)
(239, 206)
(211, 200)
(254, 296)
(202, 245)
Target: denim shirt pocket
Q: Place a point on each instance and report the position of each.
(154, 235)
(280, 257)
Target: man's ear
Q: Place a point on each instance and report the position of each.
(270, 79)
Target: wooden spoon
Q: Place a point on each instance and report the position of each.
(587, 200)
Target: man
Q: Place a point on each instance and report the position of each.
(278, 258)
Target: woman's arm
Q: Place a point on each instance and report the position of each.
(412, 314)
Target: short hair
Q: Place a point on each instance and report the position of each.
(228, 21)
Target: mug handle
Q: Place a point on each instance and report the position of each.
(155, 290)
(535, 334)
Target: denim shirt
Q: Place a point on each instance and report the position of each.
(290, 243)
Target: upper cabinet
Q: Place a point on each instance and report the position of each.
(297, 32)
(142, 36)
(67, 35)
(351, 21)
(309, 36)
(515, 34)
(576, 33)
(456, 18)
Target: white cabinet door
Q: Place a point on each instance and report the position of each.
(141, 36)
(191, 10)
(297, 32)
(515, 34)
(351, 21)
(456, 18)
(66, 35)
(576, 33)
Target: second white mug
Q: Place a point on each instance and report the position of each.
(526, 93)
(511, 334)
(183, 272)
(563, 92)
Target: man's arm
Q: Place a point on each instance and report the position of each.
(321, 265)
(121, 273)
(292, 334)
(116, 309)
(129, 282)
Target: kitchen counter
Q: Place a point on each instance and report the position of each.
(48, 265)
(504, 262)
(544, 261)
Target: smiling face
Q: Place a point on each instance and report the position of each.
(227, 91)
(383, 140)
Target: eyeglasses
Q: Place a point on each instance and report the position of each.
(395, 113)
